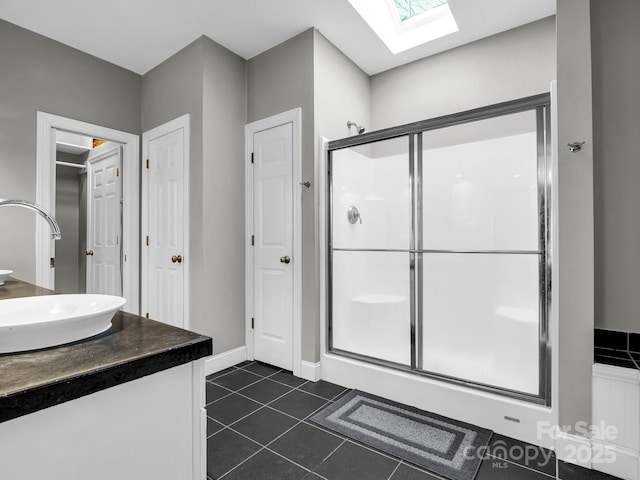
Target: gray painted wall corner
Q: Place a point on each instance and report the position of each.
(223, 184)
(575, 274)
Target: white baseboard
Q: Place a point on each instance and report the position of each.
(225, 360)
(573, 449)
(310, 371)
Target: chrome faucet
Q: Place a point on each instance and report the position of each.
(55, 229)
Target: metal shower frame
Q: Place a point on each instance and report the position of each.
(413, 131)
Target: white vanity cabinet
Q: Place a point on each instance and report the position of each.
(616, 403)
(152, 428)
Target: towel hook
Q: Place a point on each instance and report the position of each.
(575, 146)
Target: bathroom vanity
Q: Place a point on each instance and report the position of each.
(128, 403)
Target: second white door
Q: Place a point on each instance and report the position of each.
(273, 245)
(164, 257)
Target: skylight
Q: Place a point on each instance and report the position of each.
(410, 8)
(404, 24)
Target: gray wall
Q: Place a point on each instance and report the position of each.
(208, 82)
(41, 74)
(220, 292)
(342, 91)
(510, 65)
(615, 38)
(574, 274)
(279, 80)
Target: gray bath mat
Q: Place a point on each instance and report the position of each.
(439, 444)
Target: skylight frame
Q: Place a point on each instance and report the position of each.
(398, 35)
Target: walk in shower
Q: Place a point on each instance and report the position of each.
(439, 249)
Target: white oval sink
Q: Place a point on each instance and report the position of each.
(4, 274)
(30, 323)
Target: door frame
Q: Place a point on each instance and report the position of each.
(183, 122)
(47, 125)
(295, 118)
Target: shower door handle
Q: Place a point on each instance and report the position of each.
(285, 259)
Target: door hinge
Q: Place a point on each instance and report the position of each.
(52, 262)
(147, 240)
(147, 163)
(252, 322)
(117, 172)
(251, 157)
(253, 240)
(117, 239)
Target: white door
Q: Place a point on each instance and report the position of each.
(164, 256)
(104, 220)
(273, 245)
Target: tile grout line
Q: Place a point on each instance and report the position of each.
(394, 470)
(242, 462)
(298, 387)
(266, 447)
(262, 377)
(297, 464)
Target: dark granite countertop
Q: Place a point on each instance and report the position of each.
(132, 348)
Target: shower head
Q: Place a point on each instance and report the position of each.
(350, 124)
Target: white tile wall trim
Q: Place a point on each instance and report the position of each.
(224, 360)
(616, 403)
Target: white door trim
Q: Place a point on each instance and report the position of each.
(181, 122)
(295, 118)
(47, 124)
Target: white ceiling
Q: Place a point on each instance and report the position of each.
(140, 34)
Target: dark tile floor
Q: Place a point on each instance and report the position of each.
(258, 429)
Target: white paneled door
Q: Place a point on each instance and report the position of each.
(104, 220)
(164, 224)
(273, 245)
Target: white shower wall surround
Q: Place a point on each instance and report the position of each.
(480, 312)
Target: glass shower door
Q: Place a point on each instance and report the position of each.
(370, 251)
(481, 256)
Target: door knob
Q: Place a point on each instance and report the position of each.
(89, 252)
(176, 259)
(285, 259)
